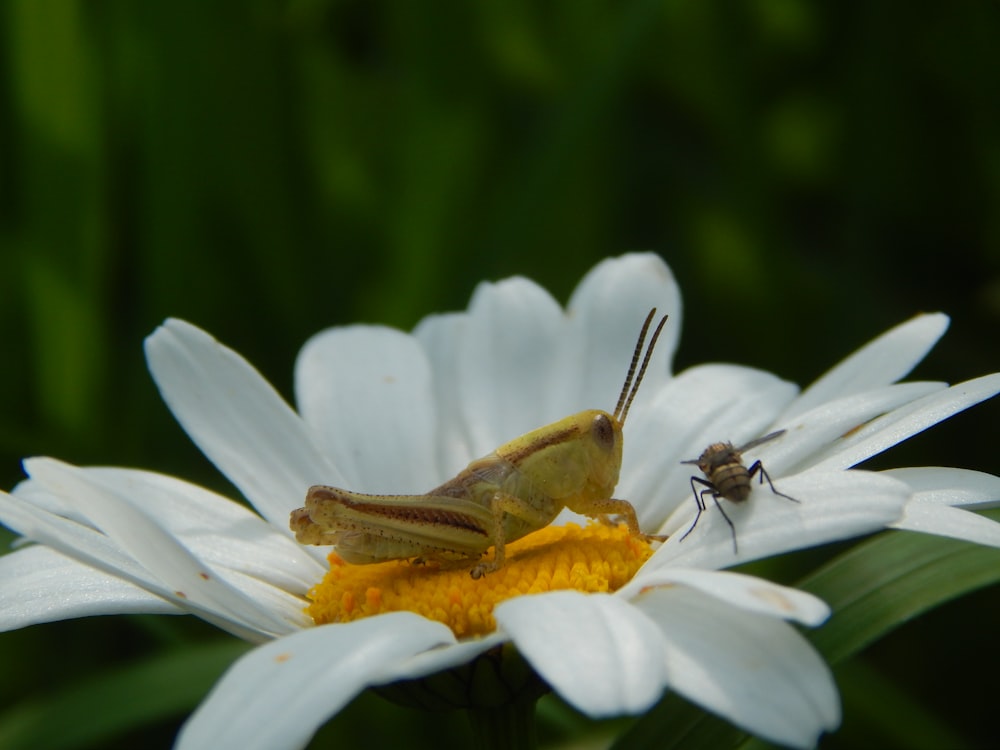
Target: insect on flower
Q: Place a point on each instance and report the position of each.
(728, 477)
(518, 488)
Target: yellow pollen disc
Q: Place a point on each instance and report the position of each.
(596, 558)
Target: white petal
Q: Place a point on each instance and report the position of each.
(510, 341)
(832, 506)
(753, 670)
(522, 363)
(37, 584)
(218, 530)
(92, 548)
(740, 590)
(441, 337)
(897, 426)
(156, 550)
(597, 651)
(237, 419)
(880, 362)
(439, 659)
(366, 393)
(605, 312)
(279, 694)
(701, 406)
(823, 430)
(956, 523)
(81, 542)
(939, 485)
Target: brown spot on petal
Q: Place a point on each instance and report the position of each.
(775, 598)
(857, 428)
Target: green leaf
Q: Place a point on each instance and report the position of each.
(883, 712)
(675, 723)
(88, 713)
(882, 583)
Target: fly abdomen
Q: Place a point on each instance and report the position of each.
(732, 482)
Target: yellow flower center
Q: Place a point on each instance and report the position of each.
(595, 558)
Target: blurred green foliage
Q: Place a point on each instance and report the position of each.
(814, 172)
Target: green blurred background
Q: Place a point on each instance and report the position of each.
(813, 172)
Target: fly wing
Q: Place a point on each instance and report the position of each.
(761, 440)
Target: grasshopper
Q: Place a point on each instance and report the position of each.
(519, 488)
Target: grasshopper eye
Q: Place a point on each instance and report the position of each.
(603, 431)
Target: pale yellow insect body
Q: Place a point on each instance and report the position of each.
(519, 488)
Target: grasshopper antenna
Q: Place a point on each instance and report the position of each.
(631, 367)
(628, 389)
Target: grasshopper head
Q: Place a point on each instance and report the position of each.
(601, 445)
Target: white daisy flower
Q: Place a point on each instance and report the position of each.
(384, 411)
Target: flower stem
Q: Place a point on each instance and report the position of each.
(511, 725)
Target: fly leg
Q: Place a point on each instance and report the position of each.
(758, 468)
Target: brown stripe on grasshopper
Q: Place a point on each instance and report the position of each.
(319, 498)
(541, 441)
(522, 486)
